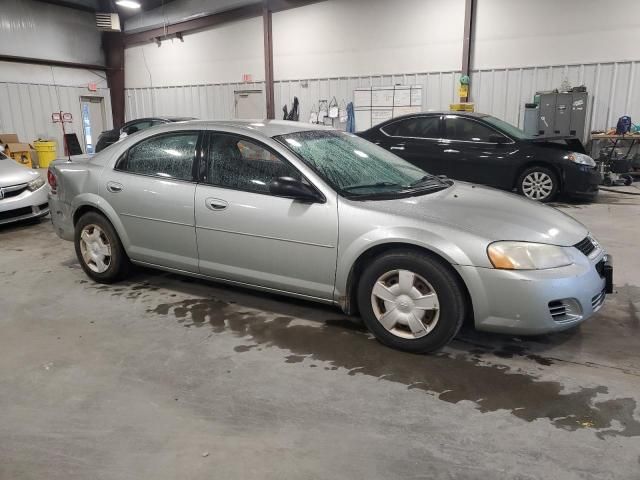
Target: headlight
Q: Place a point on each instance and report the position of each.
(581, 159)
(527, 256)
(33, 185)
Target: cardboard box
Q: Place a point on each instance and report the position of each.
(14, 148)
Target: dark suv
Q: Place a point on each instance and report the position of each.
(112, 136)
(483, 149)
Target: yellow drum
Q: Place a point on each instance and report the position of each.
(47, 152)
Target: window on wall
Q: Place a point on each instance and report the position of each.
(165, 156)
(416, 127)
(237, 163)
(459, 128)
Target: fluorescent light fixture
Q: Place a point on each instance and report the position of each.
(128, 3)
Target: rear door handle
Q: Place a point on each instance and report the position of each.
(399, 147)
(114, 187)
(215, 204)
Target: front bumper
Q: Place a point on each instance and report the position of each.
(581, 181)
(25, 206)
(533, 302)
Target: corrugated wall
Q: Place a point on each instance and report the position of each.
(26, 109)
(500, 92)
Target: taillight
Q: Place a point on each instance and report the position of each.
(53, 181)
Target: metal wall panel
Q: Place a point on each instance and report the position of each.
(500, 92)
(26, 110)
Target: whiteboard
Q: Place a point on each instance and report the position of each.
(402, 97)
(382, 97)
(362, 97)
(362, 117)
(416, 96)
(379, 115)
(397, 111)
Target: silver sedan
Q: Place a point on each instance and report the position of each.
(23, 194)
(324, 215)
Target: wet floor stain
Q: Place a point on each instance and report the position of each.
(458, 374)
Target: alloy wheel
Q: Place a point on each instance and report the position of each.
(405, 304)
(537, 186)
(95, 248)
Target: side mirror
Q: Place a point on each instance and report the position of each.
(291, 188)
(499, 139)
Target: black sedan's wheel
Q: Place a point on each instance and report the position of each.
(99, 250)
(538, 183)
(410, 301)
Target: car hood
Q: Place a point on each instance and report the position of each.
(489, 213)
(12, 173)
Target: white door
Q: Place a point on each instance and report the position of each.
(93, 121)
(250, 104)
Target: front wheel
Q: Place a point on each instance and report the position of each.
(411, 301)
(99, 249)
(538, 183)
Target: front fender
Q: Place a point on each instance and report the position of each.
(97, 202)
(431, 241)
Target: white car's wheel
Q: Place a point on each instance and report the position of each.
(411, 301)
(99, 249)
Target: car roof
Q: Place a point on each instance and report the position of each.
(267, 128)
(440, 112)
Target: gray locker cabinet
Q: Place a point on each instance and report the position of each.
(547, 113)
(562, 122)
(578, 114)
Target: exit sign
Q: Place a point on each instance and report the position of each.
(247, 77)
(93, 87)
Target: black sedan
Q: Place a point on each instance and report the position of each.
(483, 149)
(112, 136)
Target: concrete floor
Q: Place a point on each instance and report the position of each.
(164, 377)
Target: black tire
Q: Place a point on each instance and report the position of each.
(628, 180)
(450, 295)
(529, 174)
(607, 182)
(119, 264)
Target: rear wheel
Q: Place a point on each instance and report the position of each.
(99, 249)
(538, 183)
(411, 301)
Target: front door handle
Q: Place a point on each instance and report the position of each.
(215, 204)
(114, 187)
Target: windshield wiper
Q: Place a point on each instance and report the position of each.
(373, 185)
(430, 179)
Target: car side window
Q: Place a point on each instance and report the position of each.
(238, 163)
(458, 128)
(416, 127)
(166, 156)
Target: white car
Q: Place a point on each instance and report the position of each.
(23, 192)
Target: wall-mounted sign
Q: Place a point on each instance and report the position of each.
(247, 77)
(93, 87)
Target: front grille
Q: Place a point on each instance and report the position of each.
(9, 192)
(557, 310)
(586, 246)
(18, 212)
(565, 311)
(598, 300)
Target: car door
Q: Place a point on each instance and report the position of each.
(416, 139)
(247, 235)
(477, 152)
(152, 190)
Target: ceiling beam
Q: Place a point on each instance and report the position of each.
(50, 63)
(67, 4)
(215, 19)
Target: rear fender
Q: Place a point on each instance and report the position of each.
(98, 203)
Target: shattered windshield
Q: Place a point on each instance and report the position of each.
(356, 167)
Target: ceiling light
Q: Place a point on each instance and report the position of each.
(128, 3)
